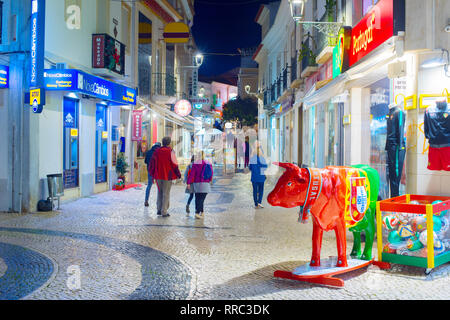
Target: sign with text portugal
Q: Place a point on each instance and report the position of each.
(382, 22)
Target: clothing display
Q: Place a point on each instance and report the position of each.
(437, 131)
(395, 147)
(439, 158)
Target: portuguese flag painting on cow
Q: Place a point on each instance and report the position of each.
(337, 198)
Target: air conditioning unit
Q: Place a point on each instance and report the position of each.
(397, 70)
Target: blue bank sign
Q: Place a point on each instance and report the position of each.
(37, 42)
(4, 77)
(79, 81)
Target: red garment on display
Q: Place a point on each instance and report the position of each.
(439, 158)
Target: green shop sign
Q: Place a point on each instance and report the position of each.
(341, 51)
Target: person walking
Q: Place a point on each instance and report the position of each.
(257, 167)
(148, 158)
(200, 178)
(189, 188)
(164, 169)
(247, 151)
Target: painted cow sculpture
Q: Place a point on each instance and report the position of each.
(330, 204)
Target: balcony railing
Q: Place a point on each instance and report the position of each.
(273, 92)
(279, 84)
(285, 78)
(322, 39)
(164, 84)
(294, 69)
(307, 59)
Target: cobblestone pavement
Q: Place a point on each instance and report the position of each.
(109, 246)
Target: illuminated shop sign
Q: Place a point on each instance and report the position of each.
(108, 53)
(183, 108)
(37, 42)
(382, 22)
(341, 51)
(79, 81)
(4, 77)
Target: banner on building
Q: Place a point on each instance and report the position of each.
(108, 53)
(136, 134)
(37, 43)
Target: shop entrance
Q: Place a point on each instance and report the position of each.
(70, 143)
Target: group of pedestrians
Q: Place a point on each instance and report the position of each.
(163, 169)
(162, 166)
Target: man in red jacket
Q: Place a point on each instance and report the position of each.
(164, 169)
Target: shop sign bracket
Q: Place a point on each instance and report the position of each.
(330, 29)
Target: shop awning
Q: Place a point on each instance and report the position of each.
(163, 111)
(331, 89)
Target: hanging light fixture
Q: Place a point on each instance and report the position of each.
(297, 9)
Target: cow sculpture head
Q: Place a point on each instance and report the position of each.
(291, 187)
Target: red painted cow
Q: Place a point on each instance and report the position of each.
(323, 192)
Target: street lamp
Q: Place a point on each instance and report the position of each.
(198, 59)
(297, 9)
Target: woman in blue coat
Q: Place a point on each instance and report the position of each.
(257, 167)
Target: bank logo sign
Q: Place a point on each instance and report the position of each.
(37, 42)
(79, 81)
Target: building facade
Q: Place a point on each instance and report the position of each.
(371, 55)
(106, 85)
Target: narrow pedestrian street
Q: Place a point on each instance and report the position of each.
(109, 246)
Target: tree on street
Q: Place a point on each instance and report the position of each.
(242, 110)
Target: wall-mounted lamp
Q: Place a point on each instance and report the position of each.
(247, 89)
(438, 62)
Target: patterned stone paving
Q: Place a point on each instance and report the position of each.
(112, 247)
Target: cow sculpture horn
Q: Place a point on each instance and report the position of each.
(287, 166)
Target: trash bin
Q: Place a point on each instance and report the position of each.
(55, 186)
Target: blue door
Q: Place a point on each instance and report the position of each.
(101, 144)
(70, 143)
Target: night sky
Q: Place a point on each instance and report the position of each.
(223, 26)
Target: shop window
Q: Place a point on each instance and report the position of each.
(379, 109)
(101, 144)
(70, 143)
(145, 56)
(312, 128)
(360, 9)
(331, 135)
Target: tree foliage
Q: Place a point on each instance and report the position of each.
(121, 164)
(243, 110)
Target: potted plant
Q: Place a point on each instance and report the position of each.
(121, 166)
(306, 52)
(330, 9)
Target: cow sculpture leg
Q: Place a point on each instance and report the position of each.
(341, 240)
(316, 244)
(367, 225)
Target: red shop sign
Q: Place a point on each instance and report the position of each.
(376, 27)
(136, 134)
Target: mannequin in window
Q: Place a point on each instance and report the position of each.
(437, 131)
(395, 146)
